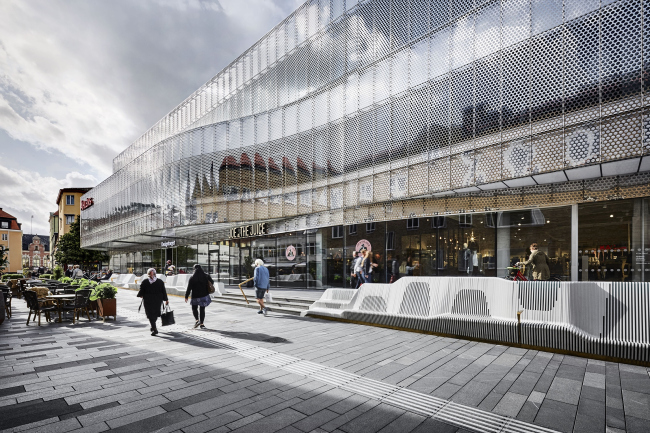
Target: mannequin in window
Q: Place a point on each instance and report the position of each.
(465, 260)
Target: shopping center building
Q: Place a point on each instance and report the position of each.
(448, 134)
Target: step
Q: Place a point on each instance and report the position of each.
(280, 302)
(305, 301)
(253, 305)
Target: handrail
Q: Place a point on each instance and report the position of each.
(242, 290)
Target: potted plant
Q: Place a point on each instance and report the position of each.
(104, 294)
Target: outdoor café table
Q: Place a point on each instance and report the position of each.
(59, 302)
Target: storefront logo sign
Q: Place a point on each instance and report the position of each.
(290, 253)
(363, 244)
(85, 204)
(168, 244)
(258, 229)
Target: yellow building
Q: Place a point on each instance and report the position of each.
(69, 203)
(11, 236)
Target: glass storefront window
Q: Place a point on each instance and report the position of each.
(265, 248)
(550, 228)
(610, 241)
(292, 261)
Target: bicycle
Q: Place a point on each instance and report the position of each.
(513, 273)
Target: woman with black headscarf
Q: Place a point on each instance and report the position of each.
(198, 288)
(152, 291)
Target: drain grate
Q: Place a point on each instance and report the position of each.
(443, 410)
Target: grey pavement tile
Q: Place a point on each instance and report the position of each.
(510, 404)
(373, 420)
(114, 423)
(596, 394)
(590, 416)
(258, 405)
(536, 397)
(525, 383)
(634, 381)
(615, 402)
(349, 415)
(636, 425)
(157, 423)
(636, 404)
(243, 421)
(315, 420)
(596, 380)
(119, 411)
(613, 430)
(490, 401)
(215, 402)
(615, 418)
(472, 394)
(446, 391)
(431, 425)
(212, 423)
(406, 423)
(348, 404)
(556, 415)
(567, 371)
(273, 423)
(528, 412)
(192, 399)
(565, 390)
(574, 360)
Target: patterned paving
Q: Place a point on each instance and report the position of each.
(249, 373)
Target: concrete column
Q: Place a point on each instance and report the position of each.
(574, 243)
(503, 243)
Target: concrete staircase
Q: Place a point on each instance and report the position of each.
(280, 304)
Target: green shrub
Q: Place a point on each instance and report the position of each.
(46, 276)
(58, 273)
(66, 280)
(103, 291)
(6, 277)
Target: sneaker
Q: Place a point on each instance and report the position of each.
(202, 326)
(196, 325)
(260, 312)
(266, 311)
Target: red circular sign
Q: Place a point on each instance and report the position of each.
(363, 244)
(290, 253)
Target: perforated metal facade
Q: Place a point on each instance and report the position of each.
(376, 110)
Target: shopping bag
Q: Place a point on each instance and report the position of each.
(268, 297)
(167, 316)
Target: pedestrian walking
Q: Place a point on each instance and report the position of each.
(353, 273)
(152, 291)
(261, 282)
(169, 268)
(77, 272)
(357, 269)
(198, 288)
(394, 269)
(366, 266)
(540, 262)
(68, 272)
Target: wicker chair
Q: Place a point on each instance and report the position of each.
(81, 304)
(7, 295)
(35, 307)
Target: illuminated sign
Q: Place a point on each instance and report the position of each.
(258, 229)
(85, 204)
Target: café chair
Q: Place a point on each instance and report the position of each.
(80, 304)
(7, 295)
(35, 307)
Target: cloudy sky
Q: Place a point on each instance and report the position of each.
(80, 80)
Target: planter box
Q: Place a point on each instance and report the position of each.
(107, 307)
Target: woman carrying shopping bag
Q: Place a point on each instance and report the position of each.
(198, 288)
(152, 291)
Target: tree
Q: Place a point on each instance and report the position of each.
(69, 249)
(4, 257)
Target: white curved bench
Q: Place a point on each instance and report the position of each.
(604, 319)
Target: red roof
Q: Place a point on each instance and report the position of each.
(272, 165)
(301, 165)
(13, 225)
(229, 161)
(286, 164)
(245, 161)
(259, 162)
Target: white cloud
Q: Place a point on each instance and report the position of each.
(25, 193)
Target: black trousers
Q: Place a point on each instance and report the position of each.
(195, 310)
(152, 320)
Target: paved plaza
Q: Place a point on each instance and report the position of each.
(250, 373)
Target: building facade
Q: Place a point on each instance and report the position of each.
(451, 134)
(11, 235)
(69, 203)
(36, 251)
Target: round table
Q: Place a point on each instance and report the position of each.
(59, 302)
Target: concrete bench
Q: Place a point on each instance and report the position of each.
(604, 319)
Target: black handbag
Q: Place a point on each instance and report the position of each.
(167, 316)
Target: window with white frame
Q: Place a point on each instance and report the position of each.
(412, 223)
(337, 232)
(371, 227)
(5, 225)
(69, 200)
(5, 237)
(69, 219)
(353, 229)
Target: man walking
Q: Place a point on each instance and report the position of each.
(353, 273)
(262, 282)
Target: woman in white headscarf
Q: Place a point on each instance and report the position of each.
(152, 291)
